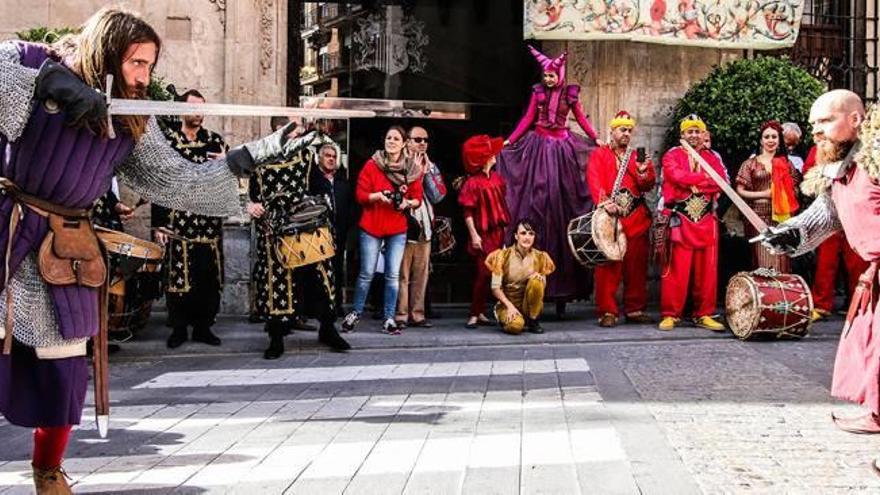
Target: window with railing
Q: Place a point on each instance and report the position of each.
(330, 11)
(329, 62)
(838, 44)
(310, 17)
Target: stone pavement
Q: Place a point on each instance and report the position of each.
(448, 410)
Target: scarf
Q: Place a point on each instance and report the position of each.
(400, 173)
(782, 191)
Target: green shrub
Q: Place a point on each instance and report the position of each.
(46, 35)
(736, 98)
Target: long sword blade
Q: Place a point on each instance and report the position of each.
(121, 106)
(737, 200)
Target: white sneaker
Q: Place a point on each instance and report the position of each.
(350, 321)
(390, 327)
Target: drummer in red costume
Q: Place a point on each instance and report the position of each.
(635, 219)
(689, 196)
(849, 200)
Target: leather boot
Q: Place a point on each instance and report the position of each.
(177, 338)
(205, 336)
(51, 481)
(329, 336)
(276, 345)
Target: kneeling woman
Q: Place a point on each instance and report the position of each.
(519, 277)
(388, 185)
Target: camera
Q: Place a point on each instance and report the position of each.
(396, 196)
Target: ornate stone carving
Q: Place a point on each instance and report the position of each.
(267, 25)
(221, 7)
(391, 49)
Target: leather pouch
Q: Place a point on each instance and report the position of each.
(70, 253)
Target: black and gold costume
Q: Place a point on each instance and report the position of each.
(279, 290)
(193, 267)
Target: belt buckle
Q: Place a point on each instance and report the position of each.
(695, 207)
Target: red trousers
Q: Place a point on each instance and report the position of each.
(827, 261)
(49, 446)
(675, 279)
(633, 271)
(492, 240)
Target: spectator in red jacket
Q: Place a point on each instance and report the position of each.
(388, 185)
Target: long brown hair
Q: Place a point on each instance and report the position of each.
(98, 49)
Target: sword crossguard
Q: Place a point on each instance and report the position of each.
(108, 92)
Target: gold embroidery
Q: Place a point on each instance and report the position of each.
(626, 201)
(696, 206)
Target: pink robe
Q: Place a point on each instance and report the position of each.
(857, 365)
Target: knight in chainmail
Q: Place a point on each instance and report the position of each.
(847, 181)
(57, 152)
(273, 190)
(193, 267)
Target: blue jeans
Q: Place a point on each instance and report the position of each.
(369, 250)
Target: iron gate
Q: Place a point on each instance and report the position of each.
(838, 44)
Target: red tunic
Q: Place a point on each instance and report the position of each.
(381, 219)
(857, 365)
(482, 198)
(601, 172)
(679, 183)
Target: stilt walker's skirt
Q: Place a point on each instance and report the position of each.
(546, 183)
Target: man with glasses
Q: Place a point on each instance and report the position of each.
(417, 254)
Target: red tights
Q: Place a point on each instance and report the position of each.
(49, 445)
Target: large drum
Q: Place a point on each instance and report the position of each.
(444, 240)
(135, 280)
(765, 302)
(305, 236)
(596, 238)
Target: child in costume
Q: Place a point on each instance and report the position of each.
(485, 213)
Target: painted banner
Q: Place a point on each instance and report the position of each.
(755, 24)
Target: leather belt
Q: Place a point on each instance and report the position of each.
(40, 206)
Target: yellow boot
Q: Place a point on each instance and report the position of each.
(818, 314)
(668, 323)
(709, 323)
(51, 481)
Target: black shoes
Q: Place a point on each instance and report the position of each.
(276, 347)
(533, 326)
(177, 338)
(328, 336)
(205, 336)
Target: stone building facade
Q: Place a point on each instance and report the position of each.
(236, 52)
(231, 51)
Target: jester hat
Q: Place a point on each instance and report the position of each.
(556, 65)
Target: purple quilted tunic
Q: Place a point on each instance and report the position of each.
(70, 167)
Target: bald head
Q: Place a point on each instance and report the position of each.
(841, 100)
(836, 117)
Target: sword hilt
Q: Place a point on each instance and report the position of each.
(108, 91)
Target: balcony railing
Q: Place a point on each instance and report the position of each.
(310, 18)
(330, 62)
(330, 11)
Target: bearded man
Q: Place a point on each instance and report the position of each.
(848, 198)
(57, 160)
(689, 202)
(628, 204)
